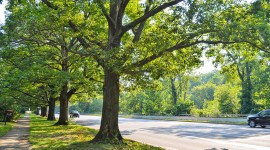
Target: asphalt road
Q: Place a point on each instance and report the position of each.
(175, 135)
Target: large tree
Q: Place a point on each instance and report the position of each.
(148, 39)
(136, 40)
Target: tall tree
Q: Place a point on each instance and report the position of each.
(143, 40)
(160, 39)
(239, 59)
(260, 82)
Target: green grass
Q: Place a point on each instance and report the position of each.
(188, 119)
(45, 136)
(5, 128)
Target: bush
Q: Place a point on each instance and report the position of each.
(196, 112)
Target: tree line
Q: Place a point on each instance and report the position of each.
(213, 94)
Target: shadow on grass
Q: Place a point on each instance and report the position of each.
(44, 135)
(127, 144)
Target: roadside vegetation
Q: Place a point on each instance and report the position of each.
(212, 94)
(233, 121)
(43, 135)
(5, 128)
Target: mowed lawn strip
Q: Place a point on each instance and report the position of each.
(45, 136)
(5, 128)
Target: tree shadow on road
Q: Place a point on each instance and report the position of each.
(210, 132)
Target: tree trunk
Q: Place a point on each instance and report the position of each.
(109, 130)
(37, 111)
(141, 106)
(174, 94)
(246, 99)
(63, 118)
(51, 113)
(44, 111)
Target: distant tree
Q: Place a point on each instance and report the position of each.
(261, 82)
(202, 93)
(228, 98)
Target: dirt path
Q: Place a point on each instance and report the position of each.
(17, 138)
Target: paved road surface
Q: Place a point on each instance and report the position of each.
(175, 135)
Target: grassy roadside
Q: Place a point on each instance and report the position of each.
(45, 136)
(225, 120)
(232, 121)
(5, 128)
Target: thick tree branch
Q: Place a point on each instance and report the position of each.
(71, 92)
(171, 49)
(148, 15)
(237, 65)
(27, 94)
(138, 32)
(49, 4)
(104, 11)
(258, 47)
(85, 44)
(121, 10)
(95, 80)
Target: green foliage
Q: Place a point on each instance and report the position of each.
(203, 93)
(226, 101)
(8, 103)
(38, 55)
(145, 102)
(182, 107)
(91, 106)
(261, 89)
(149, 101)
(211, 108)
(228, 98)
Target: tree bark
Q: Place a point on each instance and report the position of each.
(51, 113)
(44, 111)
(65, 93)
(37, 111)
(246, 99)
(109, 130)
(63, 117)
(174, 94)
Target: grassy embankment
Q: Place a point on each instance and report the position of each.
(223, 120)
(43, 135)
(5, 128)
